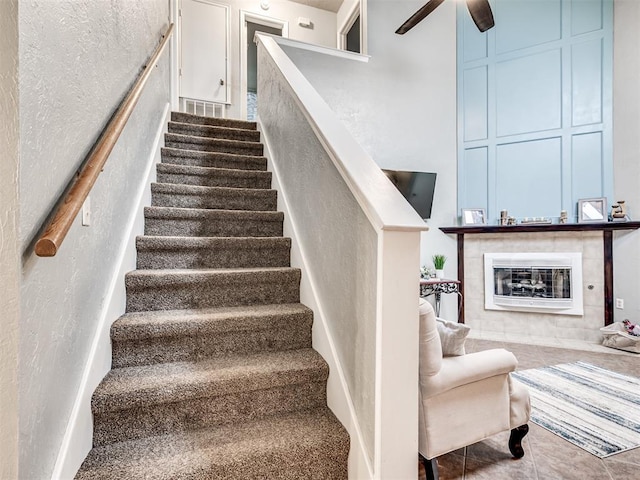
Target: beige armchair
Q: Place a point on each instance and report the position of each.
(465, 399)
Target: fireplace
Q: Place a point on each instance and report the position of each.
(549, 282)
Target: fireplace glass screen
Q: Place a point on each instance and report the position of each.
(532, 282)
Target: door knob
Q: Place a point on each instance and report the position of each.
(221, 82)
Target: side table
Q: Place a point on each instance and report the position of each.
(438, 286)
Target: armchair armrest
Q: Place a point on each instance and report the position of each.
(465, 369)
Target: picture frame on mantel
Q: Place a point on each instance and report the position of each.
(592, 210)
(474, 216)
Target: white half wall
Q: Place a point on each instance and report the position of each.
(626, 146)
(77, 60)
(401, 107)
(9, 239)
(356, 240)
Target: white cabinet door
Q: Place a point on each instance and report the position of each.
(203, 51)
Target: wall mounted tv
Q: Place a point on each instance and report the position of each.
(416, 187)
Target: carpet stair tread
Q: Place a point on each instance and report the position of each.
(257, 176)
(169, 323)
(210, 213)
(179, 221)
(191, 142)
(194, 196)
(212, 176)
(238, 243)
(214, 131)
(146, 338)
(310, 444)
(173, 275)
(174, 289)
(221, 122)
(141, 386)
(213, 159)
(159, 252)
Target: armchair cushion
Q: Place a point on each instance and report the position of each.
(452, 336)
(430, 348)
(473, 367)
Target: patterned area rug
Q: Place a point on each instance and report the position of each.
(593, 408)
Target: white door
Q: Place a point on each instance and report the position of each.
(203, 51)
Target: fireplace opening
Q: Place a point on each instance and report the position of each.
(534, 281)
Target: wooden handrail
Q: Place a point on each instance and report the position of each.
(57, 228)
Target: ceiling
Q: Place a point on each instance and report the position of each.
(330, 5)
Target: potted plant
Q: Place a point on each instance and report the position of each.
(438, 262)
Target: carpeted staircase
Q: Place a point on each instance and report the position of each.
(213, 372)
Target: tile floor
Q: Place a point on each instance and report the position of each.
(547, 457)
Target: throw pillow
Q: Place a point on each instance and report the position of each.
(452, 337)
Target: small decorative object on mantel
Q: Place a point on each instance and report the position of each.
(592, 210)
(619, 212)
(535, 221)
(564, 218)
(474, 216)
(438, 262)
(504, 217)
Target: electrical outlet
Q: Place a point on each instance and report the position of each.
(619, 303)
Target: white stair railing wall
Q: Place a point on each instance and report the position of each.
(358, 243)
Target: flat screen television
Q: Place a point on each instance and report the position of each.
(416, 187)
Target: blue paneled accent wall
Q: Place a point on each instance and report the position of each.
(535, 107)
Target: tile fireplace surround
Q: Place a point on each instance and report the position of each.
(593, 241)
(579, 327)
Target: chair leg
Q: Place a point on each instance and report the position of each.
(430, 468)
(515, 440)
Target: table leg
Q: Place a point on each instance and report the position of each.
(438, 295)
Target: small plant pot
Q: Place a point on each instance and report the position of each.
(440, 273)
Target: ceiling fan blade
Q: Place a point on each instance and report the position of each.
(417, 17)
(480, 11)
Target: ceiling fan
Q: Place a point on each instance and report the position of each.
(480, 11)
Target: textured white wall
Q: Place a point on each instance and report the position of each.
(626, 147)
(401, 106)
(9, 241)
(77, 60)
(322, 33)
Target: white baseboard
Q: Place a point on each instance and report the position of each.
(78, 437)
(338, 396)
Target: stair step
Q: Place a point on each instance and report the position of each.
(193, 222)
(213, 159)
(218, 122)
(212, 252)
(192, 196)
(310, 444)
(146, 338)
(211, 131)
(189, 142)
(212, 177)
(205, 288)
(149, 400)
